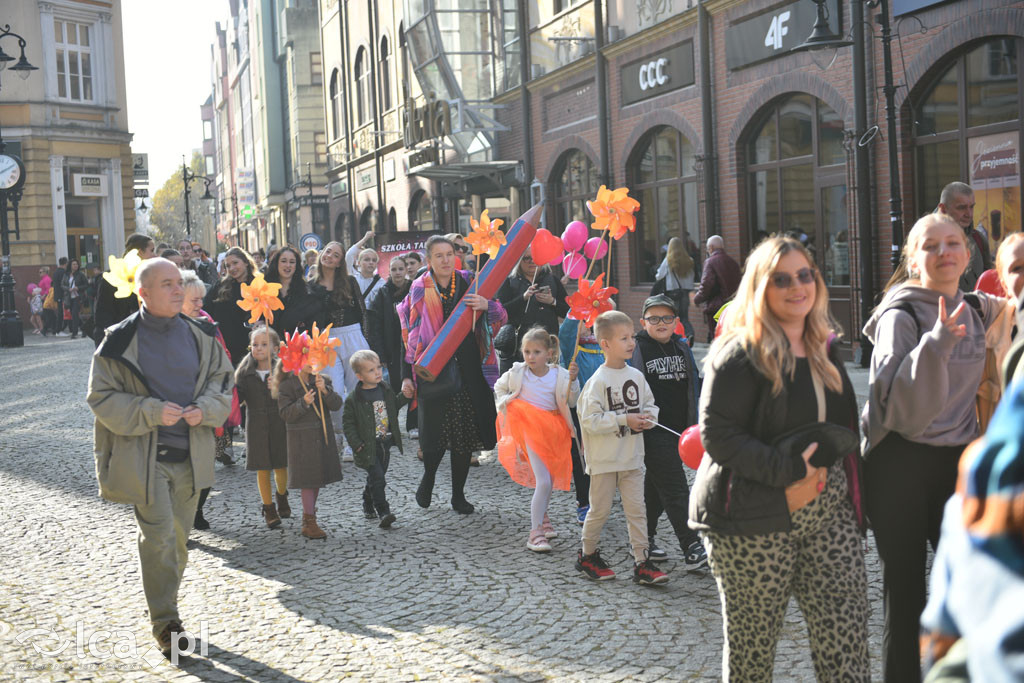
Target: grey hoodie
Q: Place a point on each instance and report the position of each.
(924, 387)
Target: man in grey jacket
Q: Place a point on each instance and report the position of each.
(160, 384)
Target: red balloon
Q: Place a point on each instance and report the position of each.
(546, 248)
(691, 450)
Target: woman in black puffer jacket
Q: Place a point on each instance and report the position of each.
(532, 296)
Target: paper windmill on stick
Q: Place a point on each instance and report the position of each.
(590, 300)
(260, 299)
(322, 349)
(613, 211)
(486, 238)
(122, 274)
(296, 353)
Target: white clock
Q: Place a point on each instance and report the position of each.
(12, 172)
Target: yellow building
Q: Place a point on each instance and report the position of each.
(68, 122)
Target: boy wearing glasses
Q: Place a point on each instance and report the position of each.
(665, 359)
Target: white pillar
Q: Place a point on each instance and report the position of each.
(60, 219)
(113, 212)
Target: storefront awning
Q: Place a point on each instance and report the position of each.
(486, 178)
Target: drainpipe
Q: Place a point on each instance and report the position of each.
(863, 170)
(522, 10)
(343, 78)
(382, 210)
(707, 123)
(602, 93)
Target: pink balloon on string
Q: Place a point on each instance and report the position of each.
(574, 236)
(574, 265)
(595, 247)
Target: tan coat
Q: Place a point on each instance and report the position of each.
(312, 463)
(127, 415)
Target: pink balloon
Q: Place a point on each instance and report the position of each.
(574, 236)
(595, 245)
(574, 265)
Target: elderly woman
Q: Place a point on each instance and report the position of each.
(192, 306)
(776, 521)
(460, 416)
(532, 296)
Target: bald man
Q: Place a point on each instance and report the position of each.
(160, 384)
(718, 282)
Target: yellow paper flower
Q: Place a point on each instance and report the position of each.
(122, 274)
(260, 299)
(486, 238)
(613, 211)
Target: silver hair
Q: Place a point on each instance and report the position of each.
(716, 242)
(955, 189)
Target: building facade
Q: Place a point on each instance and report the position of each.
(68, 122)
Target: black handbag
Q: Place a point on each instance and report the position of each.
(833, 442)
(506, 339)
(447, 383)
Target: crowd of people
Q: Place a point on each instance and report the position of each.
(793, 473)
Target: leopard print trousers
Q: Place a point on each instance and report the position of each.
(820, 562)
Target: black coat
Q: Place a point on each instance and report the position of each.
(522, 317)
(301, 309)
(384, 329)
(232, 320)
(109, 309)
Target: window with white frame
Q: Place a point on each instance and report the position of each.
(74, 60)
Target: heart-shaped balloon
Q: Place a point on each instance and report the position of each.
(546, 248)
(691, 450)
(574, 236)
(574, 265)
(595, 247)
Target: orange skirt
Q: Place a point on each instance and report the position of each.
(545, 432)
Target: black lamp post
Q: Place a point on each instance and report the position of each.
(307, 183)
(12, 182)
(188, 177)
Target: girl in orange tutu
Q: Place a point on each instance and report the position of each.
(535, 430)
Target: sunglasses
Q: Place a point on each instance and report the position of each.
(804, 276)
(657, 319)
(527, 259)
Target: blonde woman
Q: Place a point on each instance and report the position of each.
(675, 279)
(927, 362)
(774, 371)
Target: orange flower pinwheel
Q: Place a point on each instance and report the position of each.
(613, 211)
(260, 299)
(295, 352)
(590, 300)
(321, 348)
(486, 238)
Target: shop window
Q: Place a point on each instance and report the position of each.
(968, 129)
(796, 182)
(664, 180)
(575, 183)
(421, 212)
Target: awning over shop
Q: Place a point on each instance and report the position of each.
(486, 178)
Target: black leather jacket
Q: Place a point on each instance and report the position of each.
(546, 315)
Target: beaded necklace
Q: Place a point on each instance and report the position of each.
(450, 293)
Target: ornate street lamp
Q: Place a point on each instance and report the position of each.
(187, 177)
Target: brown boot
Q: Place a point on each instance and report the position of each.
(270, 515)
(310, 528)
(283, 508)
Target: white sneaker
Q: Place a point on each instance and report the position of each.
(537, 541)
(346, 455)
(63, 333)
(414, 433)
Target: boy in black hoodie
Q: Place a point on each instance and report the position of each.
(669, 368)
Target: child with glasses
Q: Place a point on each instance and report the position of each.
(670, 370)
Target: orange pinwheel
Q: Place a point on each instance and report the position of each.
(260, 299)
(590, 300)
(486, 238)
(295, 352)
(613, 211)
(322, 354)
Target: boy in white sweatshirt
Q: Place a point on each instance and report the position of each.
(616, 405)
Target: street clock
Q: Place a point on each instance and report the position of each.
(12, 173)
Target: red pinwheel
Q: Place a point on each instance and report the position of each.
(590, 300)
(295, 352)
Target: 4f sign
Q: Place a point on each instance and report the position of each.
(777, 30)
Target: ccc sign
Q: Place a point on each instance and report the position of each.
(652, 74)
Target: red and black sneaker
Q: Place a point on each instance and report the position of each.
(593, 566)
(646, 573)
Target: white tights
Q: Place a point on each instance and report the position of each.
(542, 493)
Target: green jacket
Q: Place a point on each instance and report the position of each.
(127, 415)
(360, 427)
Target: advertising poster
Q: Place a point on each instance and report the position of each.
(391, 244)
(995, 178)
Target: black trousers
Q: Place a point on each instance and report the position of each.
(460, 470)
(906, 487)
(580, 478)
(373, 492)
(76, 315)
(395, 377)
(665, 486)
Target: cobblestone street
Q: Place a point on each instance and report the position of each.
(438, 597)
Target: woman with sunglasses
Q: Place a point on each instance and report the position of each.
(927, 362)
(532, 296)
(773, 371)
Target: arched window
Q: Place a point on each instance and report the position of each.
(392, 220)
(968, 128)
(664, 181)
(421, 212)
(385, 75)
(575, 182)
(367, 221)
(362, 74)
(335, 105)
(403, 56)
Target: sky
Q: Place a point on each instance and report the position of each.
(167, 75)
